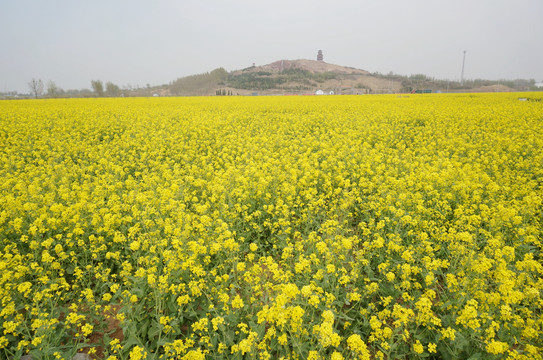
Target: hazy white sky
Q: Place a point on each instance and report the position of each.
(135, 42)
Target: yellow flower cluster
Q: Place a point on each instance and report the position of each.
(272, 227)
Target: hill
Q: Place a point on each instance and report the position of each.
(307, 76)
(303, 76)
(284, 77)
(312, 66)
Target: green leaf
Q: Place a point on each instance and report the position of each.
(154, 330)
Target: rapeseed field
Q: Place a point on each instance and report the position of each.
(340, 227)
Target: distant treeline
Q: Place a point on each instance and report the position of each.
(421, 81)
(50, 90)
(200, 84)
(289, 79)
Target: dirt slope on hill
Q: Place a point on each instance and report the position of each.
(493, 88)
(312, 66)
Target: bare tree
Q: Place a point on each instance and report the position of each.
(36, 87)
(112, 89)
(52, 89)
(98, 87)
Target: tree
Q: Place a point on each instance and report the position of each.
(53, 90)
(36, 87)
(112, 89)
(97, 87)
(199, 84)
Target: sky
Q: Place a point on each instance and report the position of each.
(140, 42)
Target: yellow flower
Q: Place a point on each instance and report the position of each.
(358, 346)
(390, 276)
(327, 335)
(497, 347)
(135, 245)
(9, 327)
(194, 355)
(468, 315)
(87, 329)
(138, 353)
(237, 302)
(418, 348)
(200, 325)
(216, 321)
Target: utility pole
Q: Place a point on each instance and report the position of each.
(463, 63)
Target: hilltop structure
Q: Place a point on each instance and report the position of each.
(319, 56)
